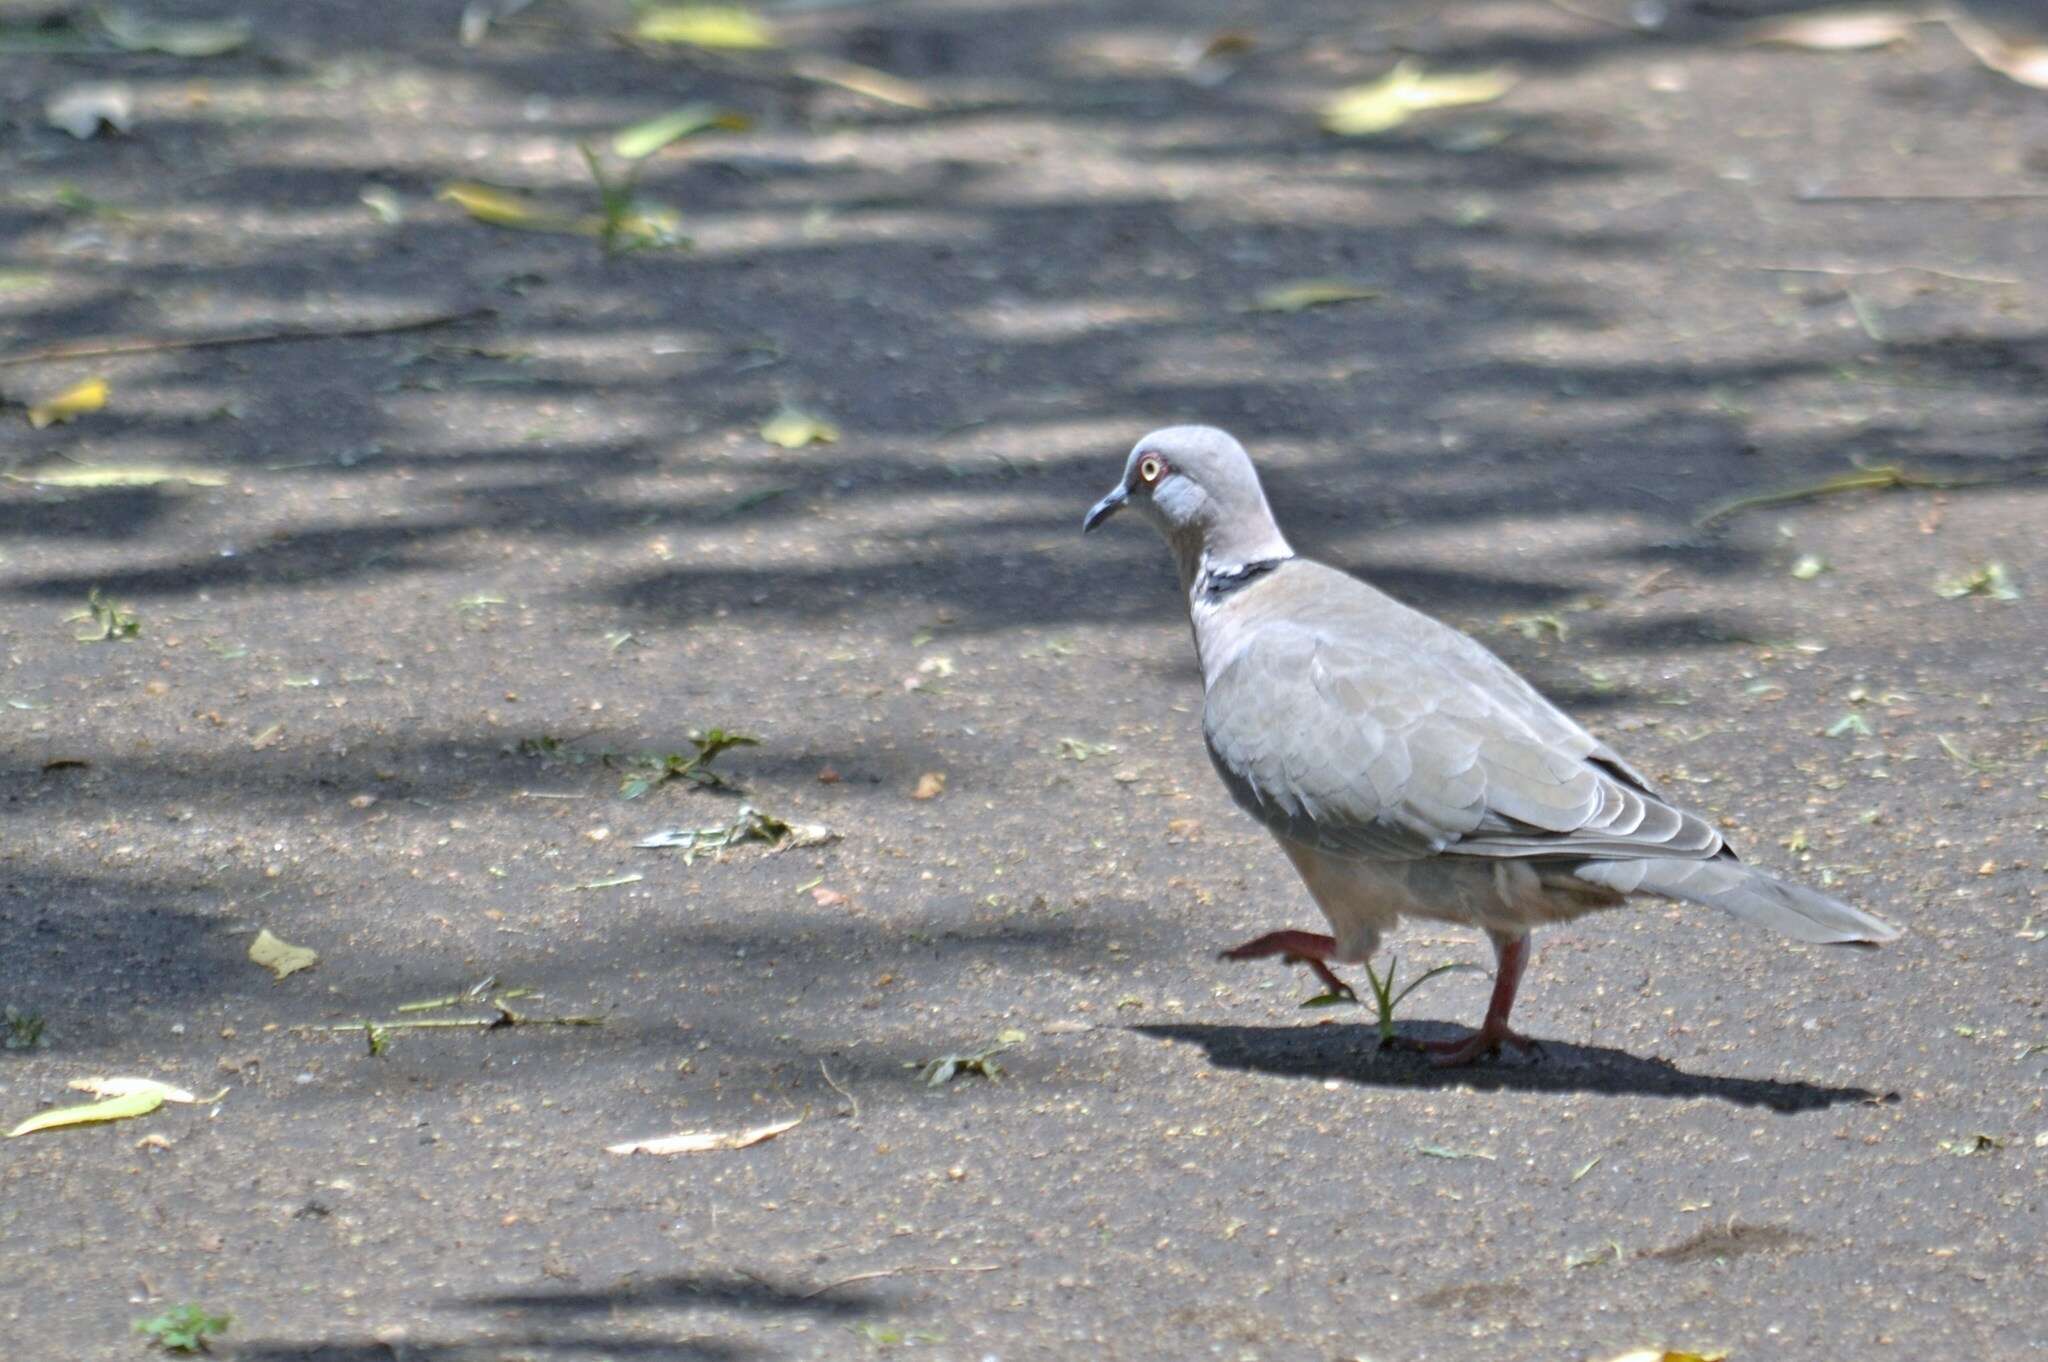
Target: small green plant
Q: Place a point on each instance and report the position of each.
(625, 223)
(1385, 998)
(102, 619)
(183, 1328)
(650, 771)
(24, 1029)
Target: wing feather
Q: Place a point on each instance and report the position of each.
(1418, 743)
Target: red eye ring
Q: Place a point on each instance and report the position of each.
(1151, 468)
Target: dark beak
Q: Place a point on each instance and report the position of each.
(1104, 509)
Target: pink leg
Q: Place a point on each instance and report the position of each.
(1511, 954)
(1305, 948)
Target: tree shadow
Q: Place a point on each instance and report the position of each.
(1350, 1053)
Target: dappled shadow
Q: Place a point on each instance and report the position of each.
(1350, 1054)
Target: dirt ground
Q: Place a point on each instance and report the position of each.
(436, 593)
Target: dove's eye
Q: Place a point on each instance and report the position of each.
(1151, 469)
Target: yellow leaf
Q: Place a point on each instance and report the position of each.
(646, 138)
(139, 1103)
(1307, 293)
(1836, 30)
(70, 404)
(118, 475)
(793, 429)
(930, 785)
(502, 208)
(723, 26)
(279, 958)
(1666, 1355)
(1386, 103)
(704, 1141)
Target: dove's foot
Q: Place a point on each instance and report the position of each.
(1295, 948)
(1453, 1054)
(1511, 956)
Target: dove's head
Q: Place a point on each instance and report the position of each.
(1198, 487)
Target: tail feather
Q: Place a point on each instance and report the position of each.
(1741, 891)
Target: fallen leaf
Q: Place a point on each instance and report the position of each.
(1307, 293)
(279, 958)
(1666, 1355)
(503, 208)
(793, 429)
(704, 1141)
(1835, 30)
(863, 80)
(82, 109)
(1809, 566)
(127, 1087)
(121, 1108)
(134, 32)
(118, 475)
(714, 26)
(645, 138)
(70, 404)
(1385, 104)
(267, 738)
(828, 898)
(1437, 1151)
(930, 785)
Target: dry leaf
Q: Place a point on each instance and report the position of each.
(81, 109)
(279, 958)
(134, 32)
(716, 26)
(118, 475)
(863, 80)
(1666, 1355)
(1307, 293)
(139, 1103)
(503, 208)
(1387, 103)
(793, 429)
(1835, 30)
(645, 138)
(70, 404)
(124, 1087)
(827, 898)
(930, 785)
(704, 1141)
(2026, 63)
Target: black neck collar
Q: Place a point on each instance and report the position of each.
(1218, 582)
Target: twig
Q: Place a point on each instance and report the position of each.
(833, 1083)
(878, 1273)
(1847, 272)
(51, 354)
(1876, 479)
(505, 1017)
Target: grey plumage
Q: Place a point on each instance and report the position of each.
(1404, 768)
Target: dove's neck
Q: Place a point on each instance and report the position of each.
(1216, 560)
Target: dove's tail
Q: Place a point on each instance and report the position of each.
(1740, 891)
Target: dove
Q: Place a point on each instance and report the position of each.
(1404, 770)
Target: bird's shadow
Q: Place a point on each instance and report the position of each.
(1351, 1053)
